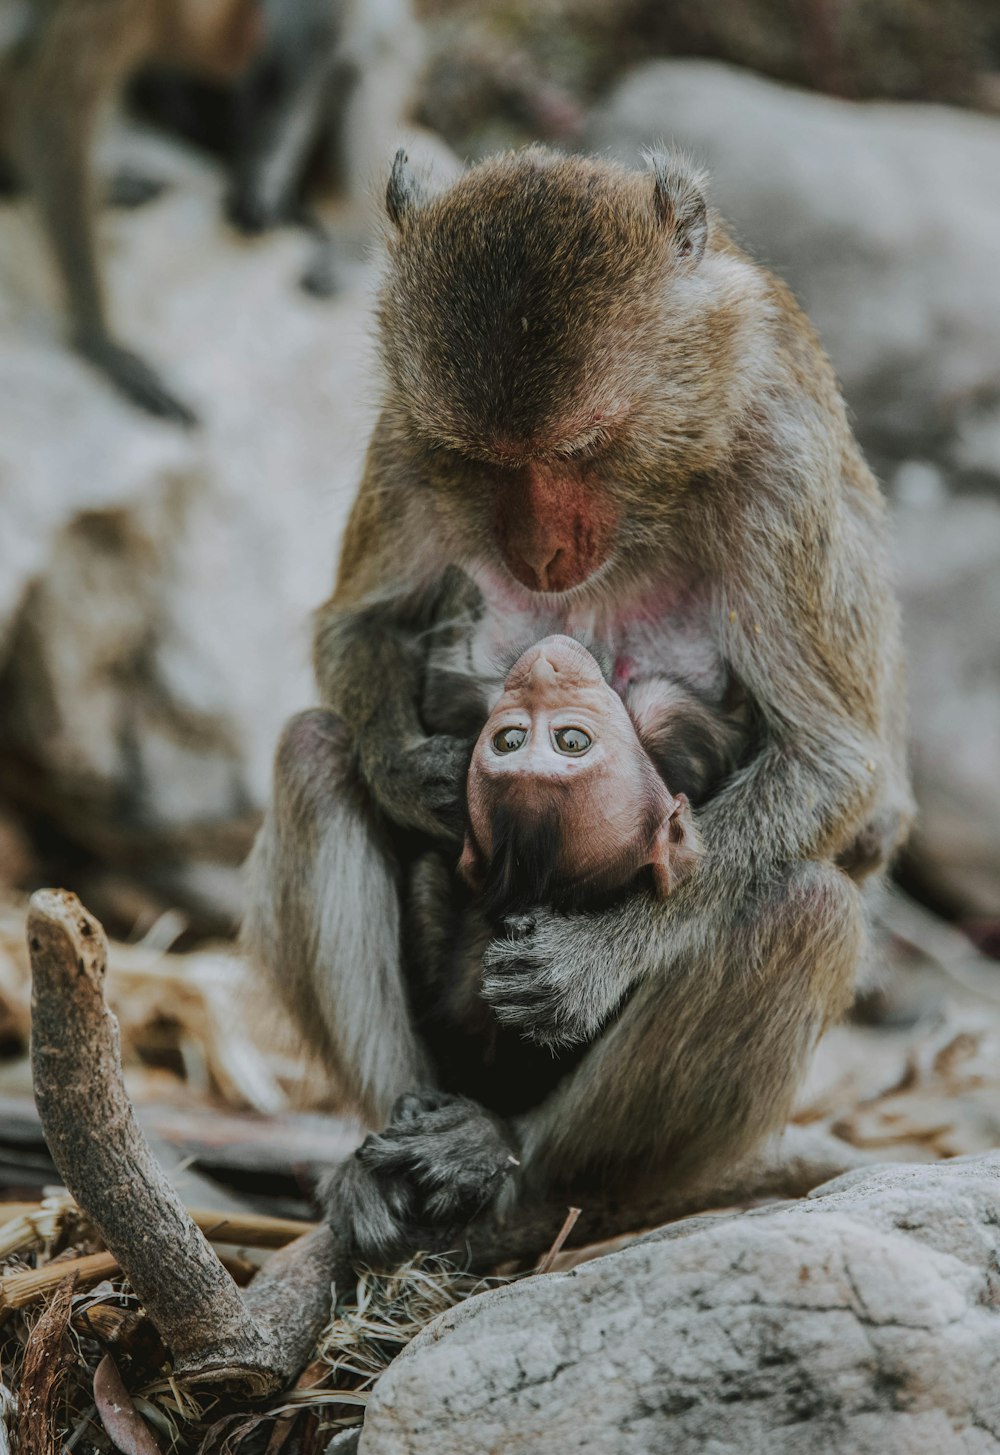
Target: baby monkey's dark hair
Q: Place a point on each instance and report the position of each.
(524, 867)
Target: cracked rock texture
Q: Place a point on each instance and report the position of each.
(860, 1321)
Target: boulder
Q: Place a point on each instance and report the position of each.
(885, 220)
(948, 554)
(156, 585)
(860, 1321)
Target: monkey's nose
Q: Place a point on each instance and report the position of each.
(540, 563)
(542, 671)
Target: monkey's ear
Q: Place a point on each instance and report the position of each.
(676, 848)
(404, 194)
(679, 200)
(470, 865)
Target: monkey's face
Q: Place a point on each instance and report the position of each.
(526, 322)
(559, 747)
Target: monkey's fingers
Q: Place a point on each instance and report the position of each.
(134, 379)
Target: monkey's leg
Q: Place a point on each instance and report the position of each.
(80, 58)
(323, 917)
(704, 1060)
(271, 165)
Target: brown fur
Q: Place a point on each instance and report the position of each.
(546, 309)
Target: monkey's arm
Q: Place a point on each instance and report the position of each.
(369, 656)
(819, 666)
(77, 61)
(281, 129)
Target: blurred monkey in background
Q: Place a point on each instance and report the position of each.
(280, 86)
(321, 107)
(68, 63)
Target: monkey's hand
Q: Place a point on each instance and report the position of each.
(421, 786)
(552, 979)
(441, 1161)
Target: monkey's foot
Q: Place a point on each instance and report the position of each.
(11, 181)
(252, 212)
(324, 277)
(441, 1161)
(133, 189)
(133, 378)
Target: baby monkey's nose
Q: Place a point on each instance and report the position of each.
(543, 672)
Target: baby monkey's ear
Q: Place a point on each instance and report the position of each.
(470, 866)
(676, 848)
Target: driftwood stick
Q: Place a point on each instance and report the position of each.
(244, 1230)
(213, 1332)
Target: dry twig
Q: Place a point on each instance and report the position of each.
(256, 1341)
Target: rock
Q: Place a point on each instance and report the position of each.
(860, 1321)
(885, 220)
(948, 556)
(155, 585)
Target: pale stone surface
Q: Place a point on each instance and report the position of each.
(155, 585)
(860, 1321)
(949, 569)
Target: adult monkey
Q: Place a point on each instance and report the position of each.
(602, 414)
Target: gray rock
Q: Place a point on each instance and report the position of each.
(885, 220)
(156, 586)
(860, 1321)
(948, 556)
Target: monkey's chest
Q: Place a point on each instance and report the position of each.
(470, 654)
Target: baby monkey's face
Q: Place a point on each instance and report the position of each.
(560, 745)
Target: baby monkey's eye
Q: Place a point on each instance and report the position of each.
(572, 740)
(509, 739)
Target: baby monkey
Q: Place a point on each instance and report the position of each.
(568, 806)
(565, 804)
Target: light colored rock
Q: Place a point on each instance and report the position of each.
(156, 586)
(860, 1321)
(949, 573)
(885, 220)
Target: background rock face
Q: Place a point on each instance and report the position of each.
(949, 562)
(155, 586)
(860, 1320)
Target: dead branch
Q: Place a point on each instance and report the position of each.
(255, 1342)
(242, 1230)
(47, 1359)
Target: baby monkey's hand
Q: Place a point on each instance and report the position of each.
(552, 979)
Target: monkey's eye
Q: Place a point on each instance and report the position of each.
(572, 740)
(509, 739)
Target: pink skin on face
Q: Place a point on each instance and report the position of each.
(555, 700)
